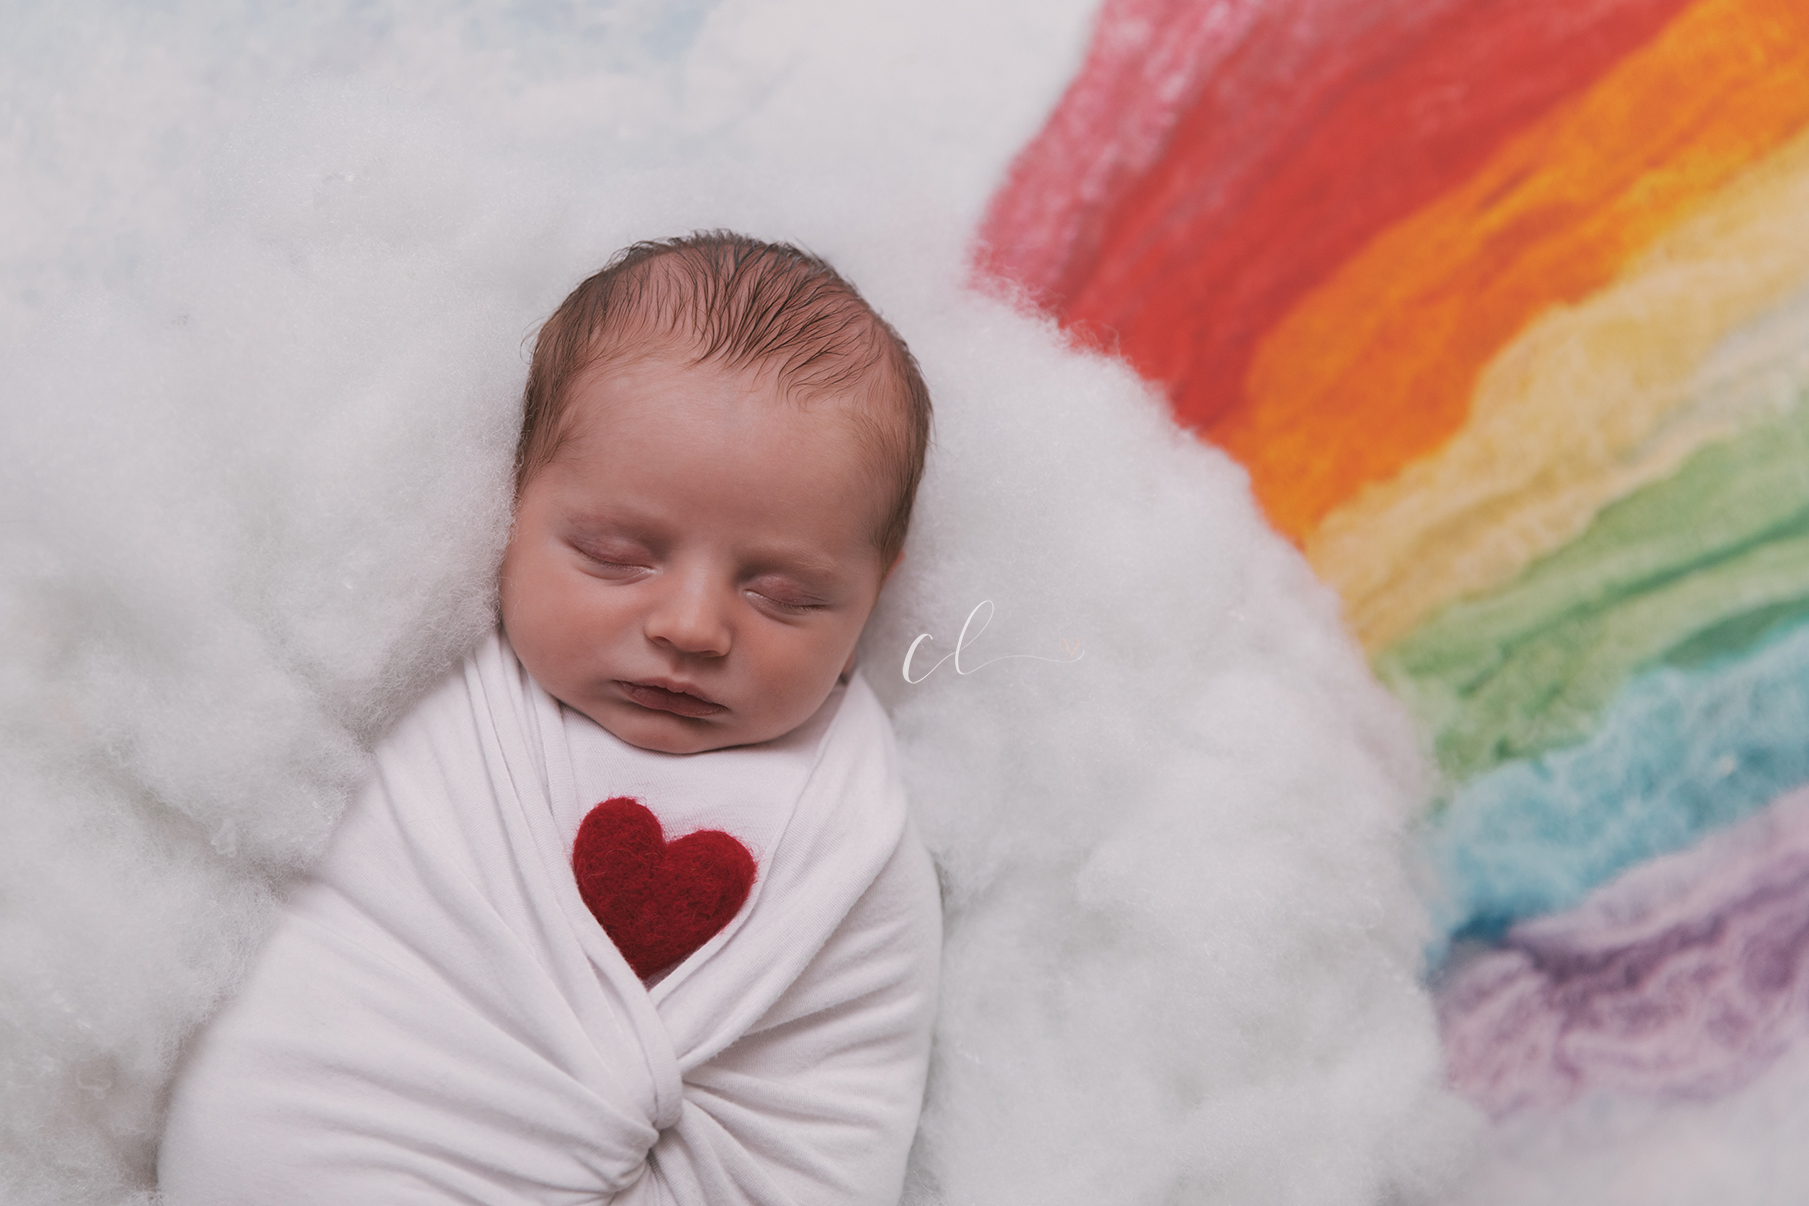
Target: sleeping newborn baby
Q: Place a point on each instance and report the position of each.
(630, 910)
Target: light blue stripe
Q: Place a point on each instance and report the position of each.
(1679, 753)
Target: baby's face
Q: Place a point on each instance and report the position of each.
(694, 567)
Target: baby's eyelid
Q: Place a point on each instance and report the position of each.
(635, 557)
(786, 604)
(611, 568)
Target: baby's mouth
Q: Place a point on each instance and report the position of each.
(666, 699)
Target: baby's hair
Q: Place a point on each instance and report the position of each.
(722, 298)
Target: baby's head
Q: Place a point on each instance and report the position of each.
(719, 450)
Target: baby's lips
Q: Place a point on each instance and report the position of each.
(667, 699)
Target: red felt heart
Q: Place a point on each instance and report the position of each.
(657, 900)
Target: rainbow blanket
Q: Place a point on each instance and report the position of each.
(1505, 308)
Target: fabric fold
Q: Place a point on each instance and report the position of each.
(437, 1016)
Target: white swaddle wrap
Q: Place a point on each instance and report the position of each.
(439, 1018)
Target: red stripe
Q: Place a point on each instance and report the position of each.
(1308, 126)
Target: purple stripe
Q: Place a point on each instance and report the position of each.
(1685, 977)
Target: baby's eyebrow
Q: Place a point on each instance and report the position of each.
(612, 524)
(798, 563)
(608, 536)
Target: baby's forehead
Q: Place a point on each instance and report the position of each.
(668, 398)
(657, 451)
(759, 394)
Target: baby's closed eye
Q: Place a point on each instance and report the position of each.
(786, 595)
(613, 559)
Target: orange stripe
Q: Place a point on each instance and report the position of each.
(1377, 366)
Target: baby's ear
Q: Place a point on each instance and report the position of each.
(896, 562)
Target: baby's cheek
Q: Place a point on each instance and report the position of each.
(534, 621)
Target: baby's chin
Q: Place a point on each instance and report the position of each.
(666, 733)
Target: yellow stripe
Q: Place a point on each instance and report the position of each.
(1589, 403)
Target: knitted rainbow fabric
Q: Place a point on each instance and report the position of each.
(1505, 307)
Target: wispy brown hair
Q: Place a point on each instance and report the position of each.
(716, 297)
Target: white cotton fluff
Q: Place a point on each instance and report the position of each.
(1183, 947)
(265, 281)
(1624, 1150)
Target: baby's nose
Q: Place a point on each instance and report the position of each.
(690, 620)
